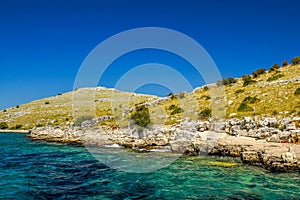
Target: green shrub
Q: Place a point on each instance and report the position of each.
(81, 119)
(244, 107)
(275, 112)
(18, 126)
(205, 88)
(205, 114)
(141, 116)
(274, 67)
(285, 63)
(175, 109)
(17, 106)
(171, 96)
(275, 77)
(226, 81)
(250, 100)
(296, 60)
(3, 125)
(258, 72)
(4, 110)
(297, 92)
(206, 97)
(239, 91)
(172, 107)
(248, 80)
(47, 102)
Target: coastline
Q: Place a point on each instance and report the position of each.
(15, 131)
(266, 146)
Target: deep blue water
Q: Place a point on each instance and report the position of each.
(39, 170)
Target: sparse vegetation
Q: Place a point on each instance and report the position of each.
(258, 72)
(244, 107)
(171, 96)
(205, 114)
(285, 63)
(206, 97)
(205, 88)
(16, 127)
(239, 91)
(47, 102)
(297, 92)
(175, 109)
(172, 107)
(251, 100)
(248, 80)
(296, 60)
(141, 116)
(275, 77)
(3, 125)
(17, 106)
(274, 67)
(226, 81)
(278, 97)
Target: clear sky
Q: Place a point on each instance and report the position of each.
(44, 42)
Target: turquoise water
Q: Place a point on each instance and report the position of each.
(39, 170)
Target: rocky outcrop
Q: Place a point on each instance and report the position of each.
(274, 156)
(258, 142)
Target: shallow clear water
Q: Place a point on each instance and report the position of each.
(39, 170)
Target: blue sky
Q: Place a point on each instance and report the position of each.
(43, 42)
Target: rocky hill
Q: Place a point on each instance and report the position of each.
(262, 94)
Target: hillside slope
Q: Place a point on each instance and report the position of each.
(269, 94)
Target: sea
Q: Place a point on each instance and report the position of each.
(40, 170)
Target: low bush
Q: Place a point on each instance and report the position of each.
(239, 91)
(171, 96)
(244, 107)
(258, 72)
(16, 127)
(297, 91)
(205, 114)
(296, 60)
(3, 125)
(172, 107)
(141, 116)
(47, 102)
(250, 100)
(175, 109)
(205, 88)
(248, 80)
(226, 81)
(206, 97)
(275, 77)
(274, 67)
(285, 63)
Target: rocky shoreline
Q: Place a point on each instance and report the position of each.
(268, 142)
(15, 131)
